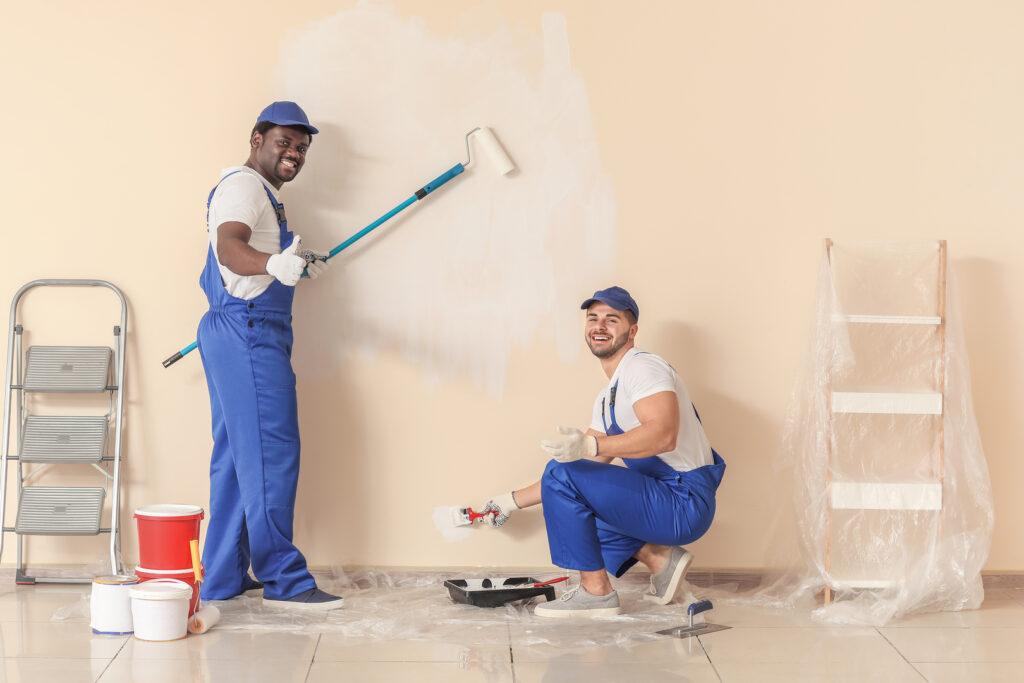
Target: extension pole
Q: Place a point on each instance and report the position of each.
(419, 194)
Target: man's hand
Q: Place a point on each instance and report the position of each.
(574, 446)
(316, 268)
(504, 506)
(287, 266)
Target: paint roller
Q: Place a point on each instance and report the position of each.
(206, 617)
(492, 149)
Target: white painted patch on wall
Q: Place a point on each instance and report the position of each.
(487, 261)
(442, 517)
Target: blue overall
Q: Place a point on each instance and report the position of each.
(254, 469)
(599, 515)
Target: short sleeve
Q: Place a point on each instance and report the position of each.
(239, 198)
(648, 375)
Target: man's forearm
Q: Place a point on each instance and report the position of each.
(241, 259)
(650, 438)
(528, 496)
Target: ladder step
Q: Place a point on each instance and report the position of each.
(60, 510)
(886, 403)
(67, 369)
(849, 495)
(888, 319)
(64, 439)
(862, 583)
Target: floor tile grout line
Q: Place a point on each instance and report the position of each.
(708, 655)
(316, 648)
(900, 653)
(116, 655)
(511, 654)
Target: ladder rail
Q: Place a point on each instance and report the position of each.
(115, 484)
(13, 341)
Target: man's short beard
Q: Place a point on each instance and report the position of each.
(612, 349)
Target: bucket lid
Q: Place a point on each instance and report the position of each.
(116, 579)
(183, 572)
(161, 589)
(168, 510)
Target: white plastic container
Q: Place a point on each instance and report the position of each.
(110, 606)
(160, 609)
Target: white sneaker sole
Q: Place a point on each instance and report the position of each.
(674, 582)
(576, 613)
(304, 606)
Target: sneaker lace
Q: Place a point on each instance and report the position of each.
(652, 590)
(567, 595)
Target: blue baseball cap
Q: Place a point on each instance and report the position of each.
(617, 298)
(286, 114)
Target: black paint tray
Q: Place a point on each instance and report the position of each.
(493, 592)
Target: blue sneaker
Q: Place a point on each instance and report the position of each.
(313, 599)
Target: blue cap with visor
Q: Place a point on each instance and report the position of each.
(286, 114)
(617, 298)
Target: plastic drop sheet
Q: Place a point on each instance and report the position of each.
(891, 499)
(415, 605)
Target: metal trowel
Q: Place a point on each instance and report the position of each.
(693, 629)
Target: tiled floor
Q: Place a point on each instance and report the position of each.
(45, 636)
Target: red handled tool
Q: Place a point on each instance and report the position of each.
(551, 581)
(466, 516)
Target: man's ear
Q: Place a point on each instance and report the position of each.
(256, 140)
(633, 329)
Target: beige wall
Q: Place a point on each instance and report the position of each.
(736, 135)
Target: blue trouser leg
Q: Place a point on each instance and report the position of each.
(227, 564)
(599, 515)
(255, 465)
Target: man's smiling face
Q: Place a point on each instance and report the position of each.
(278, 154)
(607, 330)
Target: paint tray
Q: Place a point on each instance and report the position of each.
(492, 592)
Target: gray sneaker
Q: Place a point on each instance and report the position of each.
(311, 600)
(579, 604)
(665, 584)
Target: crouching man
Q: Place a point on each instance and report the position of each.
(602, 518)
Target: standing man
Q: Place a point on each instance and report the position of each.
(602, 518)
(245, 340)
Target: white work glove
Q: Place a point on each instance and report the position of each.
(316, 268)
(504, 505)
(287, 266)
(574, 446)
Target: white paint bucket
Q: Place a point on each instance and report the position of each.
(160, 609)
(185, 575)
(110, 608)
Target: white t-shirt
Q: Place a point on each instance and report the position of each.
(242, 198)
(641, 374)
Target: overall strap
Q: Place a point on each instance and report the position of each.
(282, 220)
(611, 411)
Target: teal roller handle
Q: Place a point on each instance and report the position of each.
(439, 180)
(180, 354)
(419, 194)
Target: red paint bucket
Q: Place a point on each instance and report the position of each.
(165, 532)
(186, 575)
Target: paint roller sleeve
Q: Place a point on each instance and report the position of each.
(204, 619)
(492, 148)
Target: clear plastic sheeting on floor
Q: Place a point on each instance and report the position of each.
(408, 605)
(892, 503)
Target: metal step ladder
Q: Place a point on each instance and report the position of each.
(45, 441)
